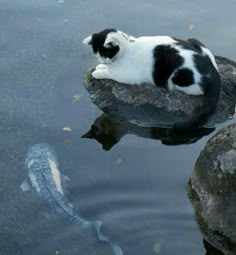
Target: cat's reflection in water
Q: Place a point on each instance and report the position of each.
(211, 250)
(109, 131)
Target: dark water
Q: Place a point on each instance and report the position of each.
(138, 187)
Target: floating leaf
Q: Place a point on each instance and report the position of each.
(76, 98)
(118, 161)
(45, 56)
(190, 27)
(156, 247)
(67, 129)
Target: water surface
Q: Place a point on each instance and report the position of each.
(138, 187)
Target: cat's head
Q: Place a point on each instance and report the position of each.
(105, 130)
(108, 44)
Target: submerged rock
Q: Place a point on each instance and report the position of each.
(152, 106)
(212, 190)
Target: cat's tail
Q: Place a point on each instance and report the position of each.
(210, 100)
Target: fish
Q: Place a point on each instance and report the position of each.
(45, 178)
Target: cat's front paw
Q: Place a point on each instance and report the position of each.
(101, 66)
(101, 74)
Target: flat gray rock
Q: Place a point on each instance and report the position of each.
(151, 106)
(212, 190)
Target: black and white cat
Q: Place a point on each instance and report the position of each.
(187, 66)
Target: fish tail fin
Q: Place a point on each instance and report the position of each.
(102, 237)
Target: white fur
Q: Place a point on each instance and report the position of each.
(212, 58)
(134, 65)
(113, 39)
(193, 89)
(87, 40)
(101, 66)
(134, 62)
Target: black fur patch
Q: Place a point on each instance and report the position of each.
(97, 43)
(183, 77)
(166, 60)
(190, 44)
(207, 70)
(210, 83)
(203, 64)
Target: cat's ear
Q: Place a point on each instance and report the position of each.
(112, 40)
(87, 40)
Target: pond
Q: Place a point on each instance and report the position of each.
(135, 185)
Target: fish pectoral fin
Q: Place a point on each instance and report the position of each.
(65, 178)
(25, 186)
(65, 183)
